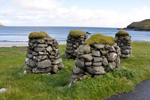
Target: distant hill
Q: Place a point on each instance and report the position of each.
(140, 26)
(1, 24)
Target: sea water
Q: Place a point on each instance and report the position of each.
(19, 35)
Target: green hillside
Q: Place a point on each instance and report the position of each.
(141, 26)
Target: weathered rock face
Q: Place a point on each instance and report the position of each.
(93, 60)
(124, 42)
(43, 56)
(72, 44)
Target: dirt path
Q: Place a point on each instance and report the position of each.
(142, 92)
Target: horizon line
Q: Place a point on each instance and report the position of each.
(60, 26)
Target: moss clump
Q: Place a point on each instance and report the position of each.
(122, 33)
(38, 35)
(100, 39)
(76, 33)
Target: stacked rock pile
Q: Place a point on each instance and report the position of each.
(75, 39)
(43, 54)
(123, 40)
(98, 54)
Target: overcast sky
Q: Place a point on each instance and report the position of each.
(93, 13)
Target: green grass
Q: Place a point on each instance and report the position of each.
(122, 33)
(100, 39)
(53, 87)
(38, 35)
(77, 33)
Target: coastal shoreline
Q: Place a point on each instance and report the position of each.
(128, 29)
(20, 45)
(11, 45)
(26, 44)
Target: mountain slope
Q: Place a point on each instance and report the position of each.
(141, 26)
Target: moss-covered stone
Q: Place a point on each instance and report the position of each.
(100, 39)
(77, 33)
(38, 35)
(122, 33)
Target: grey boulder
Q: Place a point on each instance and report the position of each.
(97, 59)
(83, 49)
(55, 69)
(30, 62)
(77, 70)
(112, 56)
(37, 49)
(87, 57)
(99, 46)
(88, 64)
(96, 53)
(79, 63)
(57, 61)
(96, 70)
(44, 64)
(112, 65)
(49, 49)
(105, 61)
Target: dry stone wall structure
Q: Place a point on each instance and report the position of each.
(75, 39)
(123, 40)
(95, 59)
(43, 54)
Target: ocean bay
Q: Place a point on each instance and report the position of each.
(19, 35)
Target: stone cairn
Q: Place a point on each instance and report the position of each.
(99, 54)
(123, 40)
(43, 54)
(75, 39)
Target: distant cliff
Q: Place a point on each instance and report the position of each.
(140, 26)
(1, 24)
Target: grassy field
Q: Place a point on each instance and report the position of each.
(55, 87)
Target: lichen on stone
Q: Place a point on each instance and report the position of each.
(122, 33)
(100, 39)
(38, 35)
(77, 33)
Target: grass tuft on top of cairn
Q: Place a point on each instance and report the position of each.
(38, 35)
(122, 33)
(77, 33)
(100, 39)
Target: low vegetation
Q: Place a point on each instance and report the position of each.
(55, 87)
(122, 33)
(100, 39)
(77, 33)
(38, 35)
